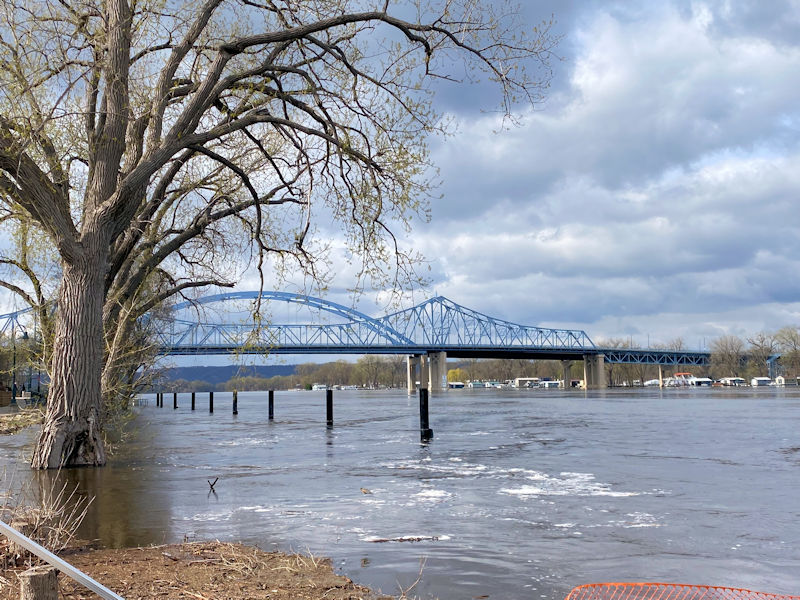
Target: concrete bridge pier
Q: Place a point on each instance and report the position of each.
(424, 371)
(566, 366)
(413, 363)
(594, 371)
(438, 371)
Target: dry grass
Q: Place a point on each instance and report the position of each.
(206, 571)
(50, 518)
(14, 422)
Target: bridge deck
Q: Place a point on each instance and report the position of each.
(611, 355)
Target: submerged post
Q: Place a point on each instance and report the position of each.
(271, 395)
(192, 400)
(425, 432)
(235, 402)
(211, 402)
(329, 403)
(174, 399)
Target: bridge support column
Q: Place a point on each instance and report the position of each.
(594, 371)
(660, 377)
(566, 366)
(413, 363)
(438, 371)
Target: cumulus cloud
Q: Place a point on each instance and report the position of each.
(661, 181)
(653, 194)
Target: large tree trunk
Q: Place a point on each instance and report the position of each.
(70, 435)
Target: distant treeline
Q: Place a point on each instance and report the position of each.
(368, 371)
(731, 356)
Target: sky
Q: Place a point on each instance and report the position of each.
(654, 195)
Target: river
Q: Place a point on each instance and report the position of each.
(520, 494)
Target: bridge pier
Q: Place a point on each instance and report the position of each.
(594, 371)
(660, 376)
(566, 366)
(413, 363)
(438, 371)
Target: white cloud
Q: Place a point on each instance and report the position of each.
(665, 183)
(655, 192)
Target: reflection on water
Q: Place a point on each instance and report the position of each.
(521, 494)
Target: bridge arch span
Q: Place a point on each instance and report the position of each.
(310, 301)
(354, 318)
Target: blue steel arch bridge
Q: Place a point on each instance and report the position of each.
(435, 326)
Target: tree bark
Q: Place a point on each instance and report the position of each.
(70, 435)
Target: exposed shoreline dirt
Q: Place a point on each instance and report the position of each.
(201, 571)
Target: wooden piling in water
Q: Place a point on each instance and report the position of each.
(211, 402)
(425, 432)
(235, 403)
(329, 406)
(271, 396)
(192, 400)
(174, 400)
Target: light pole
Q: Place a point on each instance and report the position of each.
(13, 361)
(14, 358)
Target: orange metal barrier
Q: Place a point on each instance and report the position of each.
(667, 591)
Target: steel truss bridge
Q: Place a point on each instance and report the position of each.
(436, 325)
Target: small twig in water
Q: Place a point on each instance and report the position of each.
(212, 484)
(404, 592)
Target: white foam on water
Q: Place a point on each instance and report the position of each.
(567, 484)
(356, 530)
(244, 442)
(451, 469)
(639, 519)
(373, 501)
(257, 508)
(210, 517)
(433, 495)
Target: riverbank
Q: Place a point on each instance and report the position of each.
(15, 421)
(202, 571)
